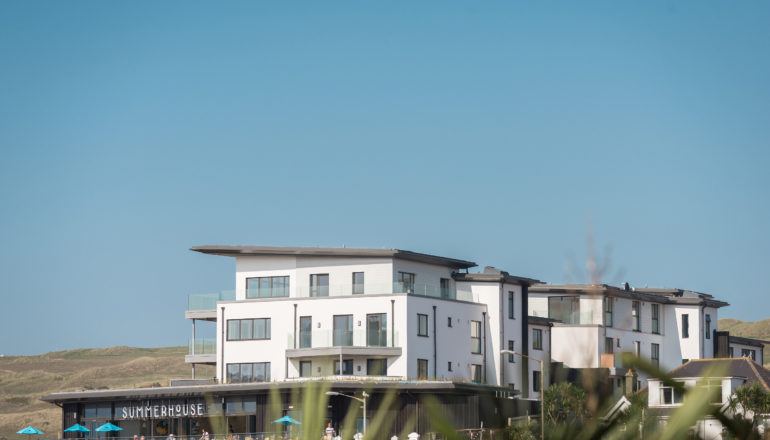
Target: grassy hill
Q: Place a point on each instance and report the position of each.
(756, 329)
(24, 379)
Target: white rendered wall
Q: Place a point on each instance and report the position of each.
(539, 355)
(577, 346)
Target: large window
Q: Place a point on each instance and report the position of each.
(476, 337)
(422, 368)
(377, 330)
(422, 325)
(511, 299)
(607, 311)
(446, 291)
(537, 339)
(685, 326)
(476, 373)
(305, 331)
(347, 367)
(708, 326)
(358, 283)
(267, 287)
(305, 368)
(343, 331)
(655, 354)
(745, 352)
(248, 329)
(406, 282)
(319, 284)
(511, 356)
(536, 377)
(249, 372)
(655, 312)
(670, 395)
(377, 367)
(636, 315)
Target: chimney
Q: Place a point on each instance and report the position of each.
(631, 379)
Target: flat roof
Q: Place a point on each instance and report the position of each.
(495, 275)
(660, 295)
(245, 250)
(748, 341)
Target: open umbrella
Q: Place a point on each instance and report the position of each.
(286, 421)
(108, 427)
(77, 427)
(30, 430)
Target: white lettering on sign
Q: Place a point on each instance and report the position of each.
(151, 411)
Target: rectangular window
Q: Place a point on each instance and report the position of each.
(476, 337)
(422, 325)
(607, 311)
(248, 372)
(377, 367)
(358, 283)
(267, 287)
(537, 339)
(305, 331)
(670, 395)
(449, 366)
(636, 314)
(377, 330)
(248, 329)
(655, 354)
(406, 282)
(708, 326)
(685, 326)
(638, 348)
(745, 352)
(476, 373)
(655, 312)
(446, 291)
(305, 368)
(511, 302)
(609, 346)
(449, 321)
(343, 331)
(319, 284)
(511, 356)
(422, 368)
(347, 367)
(713, 389)
(536, 381)
(730, 352)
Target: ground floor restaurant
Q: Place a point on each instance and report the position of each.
(246, 411)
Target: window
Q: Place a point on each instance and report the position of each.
(608, 312)
(685, 326)
(358, 283)
(670, 395)
(422, 368)
(249, 372)
(609, 346)
(655, 354)
(377, 330)
(537, 339)
(745, 352)
(343, 331)
(684, 361)
(638, 348)
(655, 311)
(305, 331)
(708, 326)
(449, 321)
(248, 329)
(536, 381)
(730, 352)
(636, 313)
(377, 367)
(406, 282)
(449, 366)
(511, 356)
(305, 368)
(422, 325)
(476, 337)
(476, 373)
(511, 298)
(319, 284)
(267, 287)
(446, 292)
(713, 389)
(347, 367)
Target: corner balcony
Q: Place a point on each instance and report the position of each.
(204, 305)
(202, 351)
(329, 343)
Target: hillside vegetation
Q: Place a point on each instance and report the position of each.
(756, 329)
(24, 379)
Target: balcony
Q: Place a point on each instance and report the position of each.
(204, 305)
(202, 351)
(428, 290)
(346, 342)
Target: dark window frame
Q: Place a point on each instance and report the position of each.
(420, 333)
(707, 320)
(655, 354)
(511, 347)
(655, 318)
(685, 325)
(338, 333)
(317, 289)
(609, 309)
(636, 315)
(422, 369)
(310, 363)
(358, 288)
(511, 304)
(303, 332)
(267, 326)
(476, 340)
(537, 339)
(536, 380)
(271, 287)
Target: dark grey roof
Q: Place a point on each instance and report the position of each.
(748, 341)
(733, 367)
(683, 296)
(541, 320)
(495, 275)
(234, 251)
(659, 295)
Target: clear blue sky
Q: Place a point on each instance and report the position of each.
(494, 131)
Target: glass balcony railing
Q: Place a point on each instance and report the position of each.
(199, 346)
(208, 301)
(383, 288)
(343, 338)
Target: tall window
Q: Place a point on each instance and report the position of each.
(476, 373)
(376, 367)
(685, 326)
(636, 313)
(537, 339)
(655, 312)
(608, 311)
(511, 356)
(422, 368)
(536, 380)
(267, 287)
(655, 354)
(249, 372)
(319, 284)
(305, 331)
(446, 291)
(609, 346)
(343, 331)
(476, 337)
(305, 368)
(511, 297)
(377, 330)
(708, 326)
(449, 321)
(347, 367)
(248, 329)
(358, 283)
(638, 348)
(406, 282)
(422, 325)
(730, 352)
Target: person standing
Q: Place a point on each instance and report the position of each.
(329, 432)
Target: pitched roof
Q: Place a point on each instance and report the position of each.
(732, 367)
(235, 251)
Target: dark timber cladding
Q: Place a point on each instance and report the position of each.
(249, 408)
